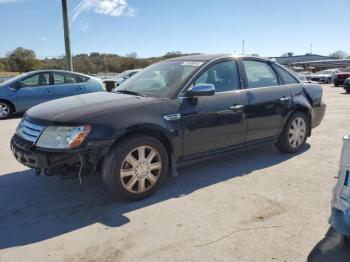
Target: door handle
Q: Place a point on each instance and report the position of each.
(237, 107)
(284, 99)
(47, 91)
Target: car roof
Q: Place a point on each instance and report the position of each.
(54, 70)
(212, 57)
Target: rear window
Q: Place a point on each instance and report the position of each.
(287, 77)
(83, 78)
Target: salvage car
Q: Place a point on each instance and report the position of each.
(324, 76)
(341, 76)
(20, 93)
(170, 114)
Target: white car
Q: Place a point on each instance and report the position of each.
(122, 77)
(324, 76)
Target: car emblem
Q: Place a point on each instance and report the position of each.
(172, 117)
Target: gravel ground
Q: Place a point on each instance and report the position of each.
(257, 205)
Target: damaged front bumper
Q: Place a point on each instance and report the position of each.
(54, 162)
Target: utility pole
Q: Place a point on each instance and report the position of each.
(69, 63)
(243, 47)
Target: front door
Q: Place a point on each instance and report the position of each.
(268, 100)
(214, 123)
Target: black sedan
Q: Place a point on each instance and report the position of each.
(170, 114)
(347, 85)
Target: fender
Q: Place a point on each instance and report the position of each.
(299, 102)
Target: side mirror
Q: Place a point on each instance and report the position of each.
(16, 85)
(201, 90)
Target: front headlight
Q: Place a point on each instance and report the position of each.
(63, 137)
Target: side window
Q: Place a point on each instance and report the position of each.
(224, 76)
(287, 77)
(42, 79)
(259, 74)
(64, 78)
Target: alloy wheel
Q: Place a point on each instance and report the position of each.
(4, 110)
(297, 132)
(141, 169)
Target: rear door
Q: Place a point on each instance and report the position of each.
(33, 90)
(214, 123)
(67, 84)
(268, 100)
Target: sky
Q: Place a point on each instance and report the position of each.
(154, 27)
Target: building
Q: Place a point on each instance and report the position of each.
(315, 62)
(296, 59)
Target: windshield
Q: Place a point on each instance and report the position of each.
(161, 79)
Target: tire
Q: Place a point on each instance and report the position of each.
(139, 180)
(300, 123)
(6, 110)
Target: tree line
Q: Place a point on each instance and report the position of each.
(24, 60)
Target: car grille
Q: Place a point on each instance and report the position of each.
(29, 131)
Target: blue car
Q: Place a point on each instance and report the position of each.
(27, 90)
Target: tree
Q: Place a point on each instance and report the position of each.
(287, 54)
(23, 60)
(340, 54)
(132, 55)
(2, 67)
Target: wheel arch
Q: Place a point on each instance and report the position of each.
(303, 109)
(156, 132)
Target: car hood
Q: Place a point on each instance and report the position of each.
(85, 109)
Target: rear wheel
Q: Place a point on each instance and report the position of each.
(135, 168)
(6, 110)
(294, 134)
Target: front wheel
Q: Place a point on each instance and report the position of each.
(6, 110)
(294, 134)
(135, 167)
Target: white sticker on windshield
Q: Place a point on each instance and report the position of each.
(192, 63)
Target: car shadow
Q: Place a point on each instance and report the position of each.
(33, 209)
(331, 248)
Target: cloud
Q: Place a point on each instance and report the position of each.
(104, 7)
(84, 26)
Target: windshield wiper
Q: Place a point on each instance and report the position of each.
(123, 91)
